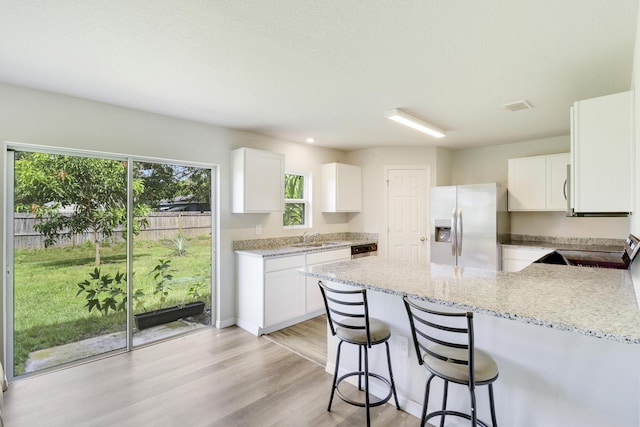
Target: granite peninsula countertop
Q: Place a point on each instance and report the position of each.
(591, 301)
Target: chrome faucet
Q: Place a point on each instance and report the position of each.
(305, 238)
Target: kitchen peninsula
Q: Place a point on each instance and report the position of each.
(566, 338)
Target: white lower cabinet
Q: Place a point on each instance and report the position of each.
(272, 294)
(515, 258)
(315, 303)
(284, 296)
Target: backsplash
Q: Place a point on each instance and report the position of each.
(586, 241)
(275, 242)
(557, 224)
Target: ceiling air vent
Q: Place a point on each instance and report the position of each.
(518, 105)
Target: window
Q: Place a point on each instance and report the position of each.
(296, 203)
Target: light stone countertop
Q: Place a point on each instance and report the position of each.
(591, 301)
(585, 243)
(296, 249)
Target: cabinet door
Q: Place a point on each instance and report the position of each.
(284, 296)
(601, 154)
(349, 188)
(315, 303)
(557, 181)
(527, 183)
(341, 188)
(258, 181)
(314, 296)
(250, 292)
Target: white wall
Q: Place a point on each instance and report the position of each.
(444, 158)
(489, 164)
(41, 118)
(635, 222)
(373, 162)
(635, 77)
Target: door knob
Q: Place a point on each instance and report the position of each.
(423, 239)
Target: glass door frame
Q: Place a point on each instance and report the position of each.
(8, 333)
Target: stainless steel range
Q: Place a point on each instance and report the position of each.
(600, 259)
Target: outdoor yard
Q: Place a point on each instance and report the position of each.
(48, 311)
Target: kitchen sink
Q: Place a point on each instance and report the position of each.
(308, 245)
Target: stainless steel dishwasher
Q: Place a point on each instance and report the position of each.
(366, 249)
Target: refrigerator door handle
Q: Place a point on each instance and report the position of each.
(459, 233)
(454, 230)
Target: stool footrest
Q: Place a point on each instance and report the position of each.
(454, 414)
(373, 400)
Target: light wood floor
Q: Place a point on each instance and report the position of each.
(216, 377)
(307, 339)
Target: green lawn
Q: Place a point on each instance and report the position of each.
(48, 312)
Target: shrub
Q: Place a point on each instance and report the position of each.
(103, 292)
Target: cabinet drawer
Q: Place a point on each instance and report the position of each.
(524, 253)
(515, 258)
(329, 256)
(284, 263)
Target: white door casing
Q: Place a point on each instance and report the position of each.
(407, 213)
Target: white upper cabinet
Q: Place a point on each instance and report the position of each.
(557, 181)
(527, 183)
(538, 183)
(258, 181)
(341, 188)
(601, 154)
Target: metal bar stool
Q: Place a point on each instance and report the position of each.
(349, 321)
(444, 345)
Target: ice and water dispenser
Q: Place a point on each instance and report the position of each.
(442, 232)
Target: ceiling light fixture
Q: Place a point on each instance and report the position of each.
(400, 116)
(310, 140)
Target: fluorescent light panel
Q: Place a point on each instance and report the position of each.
(400, 116)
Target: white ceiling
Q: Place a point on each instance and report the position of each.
(330, 68)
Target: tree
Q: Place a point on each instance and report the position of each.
(293, 190)
(173, 182)
(71, 195)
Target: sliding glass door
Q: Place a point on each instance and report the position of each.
(172, 250)
(99, 245)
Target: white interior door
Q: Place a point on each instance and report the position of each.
(407, 216)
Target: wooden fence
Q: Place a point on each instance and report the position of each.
(162, 225)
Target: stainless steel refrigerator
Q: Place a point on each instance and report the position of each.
(468, 224)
